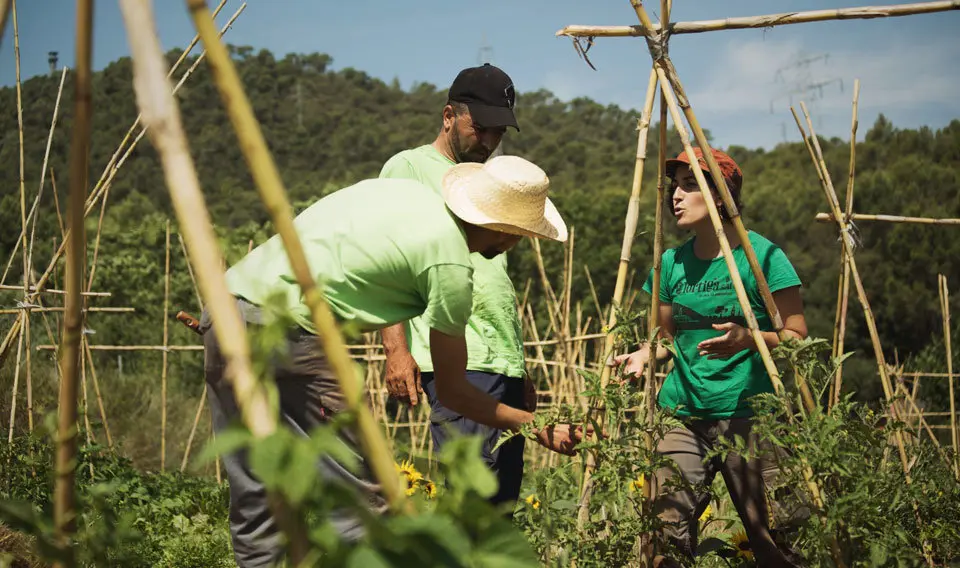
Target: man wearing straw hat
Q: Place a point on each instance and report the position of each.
(383, 251)
(478, 111)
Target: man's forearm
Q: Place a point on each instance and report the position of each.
(478, 406)
(456, 393)
(394, 339)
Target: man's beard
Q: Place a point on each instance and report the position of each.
(477, 154)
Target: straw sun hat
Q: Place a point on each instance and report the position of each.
(507, 194)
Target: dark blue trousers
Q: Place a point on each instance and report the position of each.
(507, 461)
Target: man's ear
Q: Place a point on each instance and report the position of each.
(449, 117)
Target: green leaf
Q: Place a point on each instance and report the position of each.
(465, 468)
(300, 472)
(365, 557)
(564, 505)
(225, 442)
(268, 457)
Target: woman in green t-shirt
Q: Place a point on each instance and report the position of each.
(716, 366)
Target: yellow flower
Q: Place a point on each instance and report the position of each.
(707, 513)
(430, 488)
(638, 483)
(406, 467)
(410, 475)
(533, 501)
(740, 541)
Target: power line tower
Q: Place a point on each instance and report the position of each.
(299, 88)
(800, 80)
(485, 52)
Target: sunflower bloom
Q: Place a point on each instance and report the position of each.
(410, 475)
(430, 488)
(638, 483)
(740, 541)
(707, 513)
(533, 501)
(406, 467)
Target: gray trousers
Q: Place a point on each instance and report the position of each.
(308, 396)
(680, 505)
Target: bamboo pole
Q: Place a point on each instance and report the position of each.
(60, 309)
(23, 194)
(56, 204)
(64, 497)
(828, 218)
(193, 430)
(87, 428)
(96, 390)
(945, 310)
(816, 155)
(132, 347)
(37, 290)
(43, 168)
(166, 342)
(593, 293)
(596, 409)
(25, 317)
(159, 111)
(766, 21)
(273, 194)
(193, 279)
(16, 383)
(653, 319)
(4, 12)
(844, 299)
(28, 371)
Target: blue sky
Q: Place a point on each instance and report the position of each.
(909, 67)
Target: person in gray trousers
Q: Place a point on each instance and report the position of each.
(383, 251)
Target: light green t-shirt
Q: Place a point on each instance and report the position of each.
(382, 251)
(494, 340)
(701, 294)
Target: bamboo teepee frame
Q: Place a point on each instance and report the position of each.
(657, 38)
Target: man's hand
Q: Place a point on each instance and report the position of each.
(530, 395)
(403, 377)
(561, 438)
(736, 339)
(636, 362)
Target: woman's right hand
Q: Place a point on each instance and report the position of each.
(635, 363)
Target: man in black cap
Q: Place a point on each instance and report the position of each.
(478, 111)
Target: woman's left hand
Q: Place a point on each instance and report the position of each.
(736, 339)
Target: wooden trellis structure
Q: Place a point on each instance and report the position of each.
(673, 97)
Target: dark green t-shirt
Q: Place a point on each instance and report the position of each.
(701, 294)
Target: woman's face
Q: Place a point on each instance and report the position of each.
(689, 207)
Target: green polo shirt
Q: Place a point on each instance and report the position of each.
(493, 335)
(382, 251)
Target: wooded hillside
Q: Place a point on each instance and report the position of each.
(328, 129)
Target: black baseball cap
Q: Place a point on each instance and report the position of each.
(489, 94)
